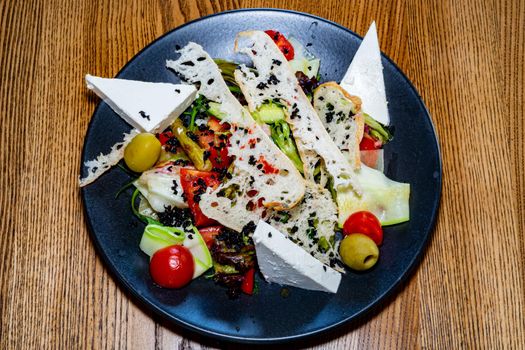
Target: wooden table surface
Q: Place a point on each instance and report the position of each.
(466, 58)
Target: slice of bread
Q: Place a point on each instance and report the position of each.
(275, 79)
(260, 168)
(341, 115)
(311, 225)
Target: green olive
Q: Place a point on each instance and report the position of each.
(142, 152)
(359, 252)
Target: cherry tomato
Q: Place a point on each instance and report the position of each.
(172, 267)
(248, 281)
(194, 184)
(369, 144)
(282, 43)
(209, 233)
(366, 223)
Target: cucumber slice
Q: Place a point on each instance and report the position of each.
(308, 67)
(269, 113)
(156, 237)
(386, 199)
(304, 61)
(214, 108)
(200, 252)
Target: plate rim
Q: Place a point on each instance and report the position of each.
(373, 305)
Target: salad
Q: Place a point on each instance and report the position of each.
(255, 169)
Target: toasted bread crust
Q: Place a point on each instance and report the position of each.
(358, 119)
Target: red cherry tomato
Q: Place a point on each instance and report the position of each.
(248, 281)
(282, 43)
(209, 233)
(366, 223)
(172, 267)
(369, 144)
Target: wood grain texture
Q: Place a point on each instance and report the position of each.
(467, 60)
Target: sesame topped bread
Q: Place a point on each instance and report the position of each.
(275, 79)
(104, 162)
(311, 225)
(341, 115)
(267, 174)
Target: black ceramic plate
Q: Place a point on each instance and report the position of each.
(413, 157)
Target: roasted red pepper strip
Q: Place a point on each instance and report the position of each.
(282, 43)
(248, 282)
(209, 233)
(194, 184)
(164, 137)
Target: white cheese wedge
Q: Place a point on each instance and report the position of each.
(149, 107)
(364, 78)
(282, 261)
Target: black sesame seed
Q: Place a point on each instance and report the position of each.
(144, 115)
(174, 187)
(272, 80)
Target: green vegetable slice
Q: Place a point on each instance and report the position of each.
(227, 69)
(282, 137)
(137, 212)
(385, 198)
(378, 130)
(269, 113)
(156, 237)
(191, 148)
(214, 108)
(304, 61)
